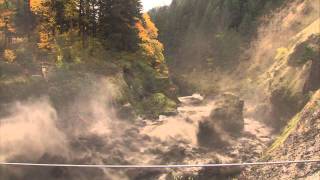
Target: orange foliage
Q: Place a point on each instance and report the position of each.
(147, 29)
(150, 26)
(9, 55)
(44, 40)
(36, 5)
(8, 13)
(152, 48)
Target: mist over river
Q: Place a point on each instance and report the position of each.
(89, 132)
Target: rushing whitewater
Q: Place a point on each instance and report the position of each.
(94, 135)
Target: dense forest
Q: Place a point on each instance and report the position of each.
(196, 82)
(108, 36)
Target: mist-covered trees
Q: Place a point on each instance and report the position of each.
(211, 33)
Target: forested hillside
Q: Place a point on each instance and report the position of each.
(100, 37)
(217, 31)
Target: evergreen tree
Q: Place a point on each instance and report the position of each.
(114, 21)
(118, 23)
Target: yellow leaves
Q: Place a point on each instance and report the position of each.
(150, 26)
(9, 55)
(5, 13)
(152, 49)
(10, 26)
(147, 29)
(36, 5)
(8, 14)
(149, 50)
(44, 40)
(143, 35)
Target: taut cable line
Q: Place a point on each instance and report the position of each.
(163, 166)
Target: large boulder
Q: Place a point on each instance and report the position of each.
(284, 105)
(195, 99)
(313, 81)
(228, 114)
(210, 135)
(126, 112)
(226, 120)
(308, 52)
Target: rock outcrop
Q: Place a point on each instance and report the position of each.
(300, 140)
(308, 51)
(226, 119)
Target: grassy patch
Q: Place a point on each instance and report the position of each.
(312, 106)
(285, 134)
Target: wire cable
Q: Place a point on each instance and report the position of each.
(161, 166)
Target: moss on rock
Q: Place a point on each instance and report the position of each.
(159, 104)
(308, 50)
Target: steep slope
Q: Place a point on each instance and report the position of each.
(300, 140)
(283, 69)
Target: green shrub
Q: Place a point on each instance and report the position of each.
(308, 50)
(158, 104)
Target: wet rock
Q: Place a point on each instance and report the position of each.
(284, 105)
(142, 174)
(195, 99)
(126, 112)
(313, 81)
(175, 153)
(229, 114)
(308, 50)
(219, 172)
(225, 120)
(209, 135)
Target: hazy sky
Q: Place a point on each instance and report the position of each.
(149, 4)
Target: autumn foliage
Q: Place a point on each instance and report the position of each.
(151, 47)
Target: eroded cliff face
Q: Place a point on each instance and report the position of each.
(299, 141)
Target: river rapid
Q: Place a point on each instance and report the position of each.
(106, 139)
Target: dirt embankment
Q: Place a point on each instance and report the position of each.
(299, 141)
